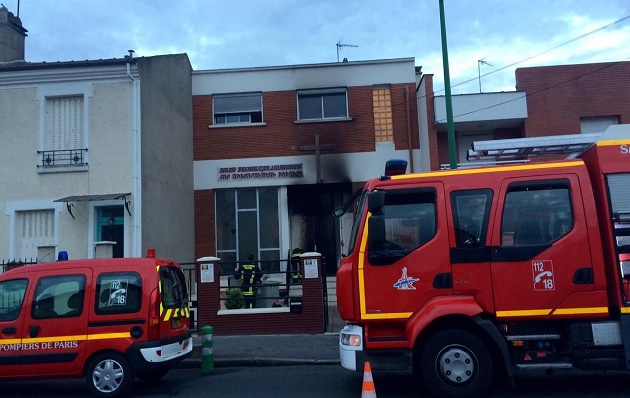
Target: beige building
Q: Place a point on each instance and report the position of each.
(97, 155)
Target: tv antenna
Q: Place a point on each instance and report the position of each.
(479, 63)
(339, 45)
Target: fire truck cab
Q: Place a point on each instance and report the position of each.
(460, 274)
(109, 320)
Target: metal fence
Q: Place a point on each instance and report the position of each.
(7, 264)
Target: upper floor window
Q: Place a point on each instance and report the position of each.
(237, 108)
(64, 132)
(322, 104)
(64, 124)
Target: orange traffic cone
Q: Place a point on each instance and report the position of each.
(368, 390)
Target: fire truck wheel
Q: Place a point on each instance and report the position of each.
(455, 363)
(109, 375)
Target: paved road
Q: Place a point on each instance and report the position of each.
(330, 381)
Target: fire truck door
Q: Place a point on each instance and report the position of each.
(55, 328)
(399, 270)
(540, 258)
(12, 294)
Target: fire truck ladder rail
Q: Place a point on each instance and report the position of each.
(521, 148)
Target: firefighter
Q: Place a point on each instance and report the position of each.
(294, 265)
(250, 276)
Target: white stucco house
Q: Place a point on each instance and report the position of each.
(97, 155)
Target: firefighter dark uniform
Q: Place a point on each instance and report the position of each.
(250, 276)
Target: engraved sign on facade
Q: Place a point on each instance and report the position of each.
(294, 170)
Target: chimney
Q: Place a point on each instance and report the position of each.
(12, 36)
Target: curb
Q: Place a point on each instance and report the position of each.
(253, 362)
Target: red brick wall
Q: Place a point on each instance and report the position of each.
(309, 321)
(204, 223)
(558, 96)
(281, 136)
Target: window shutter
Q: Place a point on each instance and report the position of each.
(65, 123)
(34, 229)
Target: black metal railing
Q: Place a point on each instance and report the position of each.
(6, 265)
(62, 158)
(273, 288)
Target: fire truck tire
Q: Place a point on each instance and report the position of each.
(109, 375)
(455, 364)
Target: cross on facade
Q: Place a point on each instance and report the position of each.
(317, 148)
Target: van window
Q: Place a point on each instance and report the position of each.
(174, 293)
(11, 298)
(536, 214)
(118, 293)
(59, 297)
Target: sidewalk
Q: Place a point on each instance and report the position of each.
(268, 350)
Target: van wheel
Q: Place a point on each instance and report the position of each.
(455, 364)
(109, 375)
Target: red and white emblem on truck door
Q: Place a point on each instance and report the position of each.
(542, 272)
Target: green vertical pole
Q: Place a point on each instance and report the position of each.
(452, 154)
(207, 351)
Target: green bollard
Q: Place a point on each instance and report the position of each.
(207, 354)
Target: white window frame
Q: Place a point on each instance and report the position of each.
(322, 93)
(246, 111)
(14, 207)
(63, 90)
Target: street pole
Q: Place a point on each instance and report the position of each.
(447, 88)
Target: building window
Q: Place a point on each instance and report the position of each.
(34, 230)
(597, 124)
(247, 222)
(237, 109)
(64, 132)
(322, 104)
(383, 126)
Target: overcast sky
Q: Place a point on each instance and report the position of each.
(220, 34)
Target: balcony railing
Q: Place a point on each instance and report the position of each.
(62, 158)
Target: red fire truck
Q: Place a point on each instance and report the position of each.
(459, 275)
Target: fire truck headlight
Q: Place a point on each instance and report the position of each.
(352, 340)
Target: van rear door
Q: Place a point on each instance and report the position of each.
(174, 298)
(54, 332)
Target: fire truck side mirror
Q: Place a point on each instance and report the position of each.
(376, 201)
(376, 232)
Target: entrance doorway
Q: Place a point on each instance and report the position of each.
(110, 226)
(313, 227)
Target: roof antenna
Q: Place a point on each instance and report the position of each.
(479, 63)
(339, 45)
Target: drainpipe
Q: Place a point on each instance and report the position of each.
(135, 247)
(409, 142)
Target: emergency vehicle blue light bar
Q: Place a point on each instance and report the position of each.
(395, 167)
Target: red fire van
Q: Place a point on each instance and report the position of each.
(109, 320)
